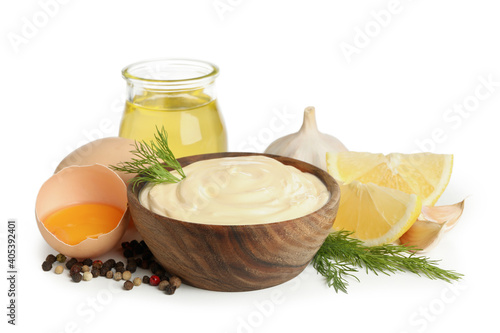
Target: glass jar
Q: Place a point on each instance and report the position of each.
(178, 94)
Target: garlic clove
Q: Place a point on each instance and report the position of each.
(433, 223)
(448, 214)
(423, 235)
(308, 144)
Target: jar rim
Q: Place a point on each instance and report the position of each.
(168, 71)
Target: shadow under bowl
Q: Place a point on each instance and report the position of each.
(236, 257)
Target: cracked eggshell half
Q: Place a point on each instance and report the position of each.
(106, 151)
(77, 185)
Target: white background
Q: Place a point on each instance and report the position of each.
(61, 80)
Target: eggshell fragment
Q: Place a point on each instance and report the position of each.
(106, 151)
(82, 184)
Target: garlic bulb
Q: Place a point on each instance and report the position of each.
(308, 144)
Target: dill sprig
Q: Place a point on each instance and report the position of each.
(341, 256)
(151, 161)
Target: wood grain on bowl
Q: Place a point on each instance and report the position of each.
(236, 257)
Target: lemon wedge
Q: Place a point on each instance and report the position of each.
(376, 215)
(423, 174)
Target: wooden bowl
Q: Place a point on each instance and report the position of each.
(236, 257)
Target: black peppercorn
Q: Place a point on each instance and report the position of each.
(145, 279)
(125, 245)
(138, 262)
(46, 266)
(144, 245)
(61, 258)
(147, 255)
(95, 272)
(87, 262)
(131, 266)
(51, 258)
(110, 263)
(153, 266)
(71, 262)
(160, 272)
(104, 270)
(77, 277)
(120, 269)
(128, 285)
(145, 264)
(137, 248)
(75, 269)
(127, 253)
(170, 289)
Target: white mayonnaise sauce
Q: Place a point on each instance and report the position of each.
(237, 190)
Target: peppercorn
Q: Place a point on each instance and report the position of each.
(85, 268)
(138, 250)
(111, 263)
(119, 264)
(160, 271)
(95, 272)
(87, 276)
(163, 284)
(136, 247)
(127, 275)
(51, 258)
(127, 253)
(71, 262)
(46, 266)
(132, 267)
(170, 289)
(75, 269)
(153, 266)
(154, 280)
(138, 262)
(145, 264)
(59, 269)
(117, 276)
(109, 274)
(120, 269)
(61, 258)
(87, 262)
(145, 279)
(77, 277)
(97, 264)
(147, 255)
(128, 285)
(125, 245)
(175, 281)
(104, 271)
(137, 281)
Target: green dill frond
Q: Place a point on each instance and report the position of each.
(151, 161)
(341, 256)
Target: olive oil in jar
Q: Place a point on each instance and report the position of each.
(186, 107)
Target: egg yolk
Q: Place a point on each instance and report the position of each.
(74, 224)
